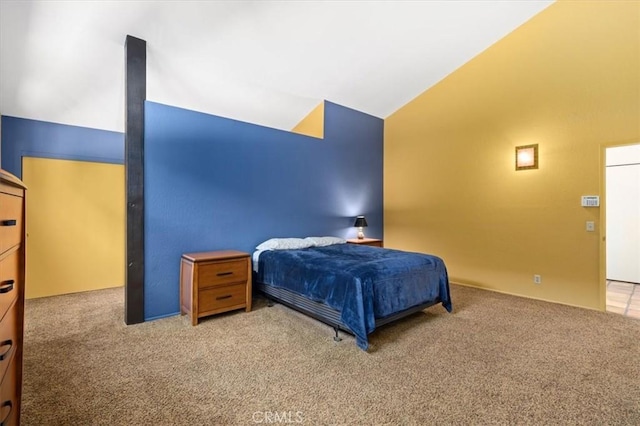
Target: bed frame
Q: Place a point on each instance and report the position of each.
(324, 313)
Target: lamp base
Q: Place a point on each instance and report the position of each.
(360, 234)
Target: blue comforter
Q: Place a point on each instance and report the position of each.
(361, 282)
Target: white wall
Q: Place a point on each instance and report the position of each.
(623, 213)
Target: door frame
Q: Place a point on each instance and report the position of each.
(603, 217)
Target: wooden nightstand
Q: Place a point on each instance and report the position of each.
(366, 241)
(214, 282)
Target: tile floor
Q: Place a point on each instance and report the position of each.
(623, 298)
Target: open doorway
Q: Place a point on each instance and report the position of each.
(622, 177)
(75, 226)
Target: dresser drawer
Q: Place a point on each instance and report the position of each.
(9, 281)
(9, 404)
(220, 273)
(221, 298)
(10, 221)
(8, 338)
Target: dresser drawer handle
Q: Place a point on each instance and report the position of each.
(5, 419)
(223, 297)
(6, 286)
(9, 345)
(222, 274)
(10, 222)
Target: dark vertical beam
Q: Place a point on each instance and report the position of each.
(135, 94)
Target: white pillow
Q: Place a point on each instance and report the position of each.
(326, 241)
(284, 244)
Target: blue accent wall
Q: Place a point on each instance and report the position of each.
(22, 137)
(213, 183)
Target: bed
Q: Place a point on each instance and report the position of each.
(353, 288)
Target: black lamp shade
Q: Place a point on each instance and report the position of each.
(360, 221)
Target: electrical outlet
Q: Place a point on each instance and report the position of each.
(537, 279)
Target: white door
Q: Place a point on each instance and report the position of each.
(623, 213)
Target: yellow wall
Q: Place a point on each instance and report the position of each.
(75, 226)
(313, 123)
(568, 80)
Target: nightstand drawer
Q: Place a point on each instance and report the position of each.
(221, 298)
(371, 242)
(221, 273)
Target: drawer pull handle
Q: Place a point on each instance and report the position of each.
(6, 286)
(222, 274)
(10, 222)
(223, 297)
(9, 345)
(5, 419)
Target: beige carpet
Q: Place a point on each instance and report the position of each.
(497, 359)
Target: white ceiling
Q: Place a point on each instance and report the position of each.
(265, 62)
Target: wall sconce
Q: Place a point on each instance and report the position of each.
(527, 157)
(360, 223)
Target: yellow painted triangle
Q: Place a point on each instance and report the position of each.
(313, 123)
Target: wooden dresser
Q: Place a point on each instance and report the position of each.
(214, 282)
(12, 279)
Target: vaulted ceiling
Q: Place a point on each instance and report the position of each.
(265, 62)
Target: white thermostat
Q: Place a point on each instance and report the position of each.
(590, 201)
